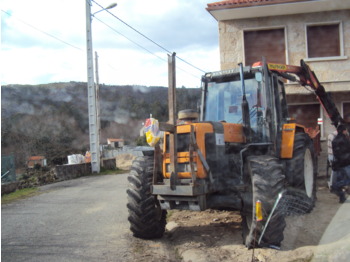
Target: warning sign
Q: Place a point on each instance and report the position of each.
(278, 67)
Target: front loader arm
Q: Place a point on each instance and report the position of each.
(307, 77)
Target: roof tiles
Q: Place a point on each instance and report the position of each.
(228, 4)
(36, 158)
(115, 139)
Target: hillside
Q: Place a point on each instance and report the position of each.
(52, 119)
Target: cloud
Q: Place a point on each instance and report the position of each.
(30, 23)
(37, 65)
(45, 41)
(177, 25)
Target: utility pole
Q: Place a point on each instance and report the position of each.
(93, 127)
(172, 119)
(98, 116)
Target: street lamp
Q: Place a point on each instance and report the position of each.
(108, 7)
(94, 136)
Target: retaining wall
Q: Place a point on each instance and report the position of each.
(66, 172)
(8, 188)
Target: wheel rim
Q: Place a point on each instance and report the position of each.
(308, 173)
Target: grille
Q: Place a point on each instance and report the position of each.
(183, 142)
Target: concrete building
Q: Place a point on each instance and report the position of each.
(36, 160)
(115, 142)
(285, 31)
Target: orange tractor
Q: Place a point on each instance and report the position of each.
(242, 152)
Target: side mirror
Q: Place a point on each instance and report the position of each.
(258, 76)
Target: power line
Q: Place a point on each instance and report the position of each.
(116, 31)
(137, 31)
(190, 64)
(58, 39)
(43, 32)
(48, 34)
(142, 47)
(149, 39)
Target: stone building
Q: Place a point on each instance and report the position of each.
(285, 31)
(36, 160)
(115, 142)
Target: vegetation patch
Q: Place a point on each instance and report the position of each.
(19, 194)
(112, 171)
(169, 214)
(35, 177)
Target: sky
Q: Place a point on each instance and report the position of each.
(44, 41)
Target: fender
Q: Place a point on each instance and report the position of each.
(288, 135)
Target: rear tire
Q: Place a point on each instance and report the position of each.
(301, 170)
(147, 219)
(267, 181)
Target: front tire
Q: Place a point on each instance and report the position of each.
(147, 219)
(267, 181)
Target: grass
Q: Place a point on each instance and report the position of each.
(177, 254)
(169, 214)
(19, 194)
(28, 192)
(112, 171)
(106, 172)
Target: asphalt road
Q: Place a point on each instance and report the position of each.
(78, 220)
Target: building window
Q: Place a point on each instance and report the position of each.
(346, 111)
(323, 40)
(265, 43)
(306, 114)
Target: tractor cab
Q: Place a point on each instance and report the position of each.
(243, 96)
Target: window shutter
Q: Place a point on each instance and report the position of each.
(323, 41)
(267, 43)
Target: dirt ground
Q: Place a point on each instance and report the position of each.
(323, 235)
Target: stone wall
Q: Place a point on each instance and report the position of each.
(109, 163)
(58, 173)
(8, 187)
(66, 172)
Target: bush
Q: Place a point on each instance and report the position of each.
(37, 166)
(141, 141)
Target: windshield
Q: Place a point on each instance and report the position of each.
(223, 101)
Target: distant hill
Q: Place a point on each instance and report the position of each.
(52, 119)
